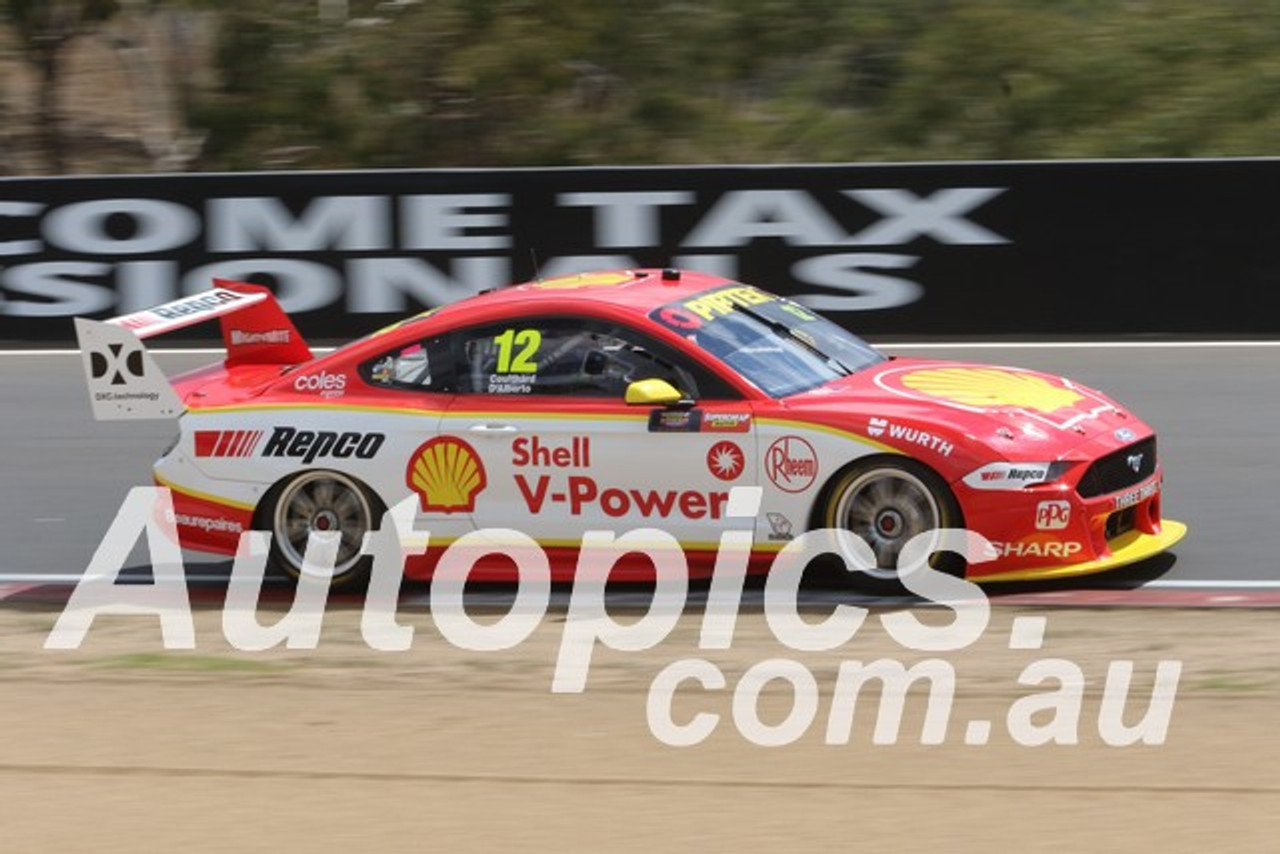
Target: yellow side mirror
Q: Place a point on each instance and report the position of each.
(652, 393)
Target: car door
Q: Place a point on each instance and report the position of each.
(541, 406)
(412, 385)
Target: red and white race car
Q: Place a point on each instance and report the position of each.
(623, 400)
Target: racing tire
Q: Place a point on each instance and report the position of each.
(886, 501)
(322, 500)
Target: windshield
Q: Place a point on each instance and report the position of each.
(781, 347)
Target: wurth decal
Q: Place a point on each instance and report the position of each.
(227, 443)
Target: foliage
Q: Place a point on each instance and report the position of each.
(44, 29)
(458, 83)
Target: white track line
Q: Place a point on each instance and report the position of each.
(923, 345)
(1172, 583)
(1195, 583)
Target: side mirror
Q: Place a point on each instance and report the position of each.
(653, 392)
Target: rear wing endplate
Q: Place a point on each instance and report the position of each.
(125, 383)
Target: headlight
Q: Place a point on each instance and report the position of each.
(1015, 475)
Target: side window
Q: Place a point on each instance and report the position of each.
(415, 366)
(567, 357)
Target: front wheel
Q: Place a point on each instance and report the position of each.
(887, 502)
(328, 503)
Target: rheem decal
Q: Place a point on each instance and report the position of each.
(791, 464)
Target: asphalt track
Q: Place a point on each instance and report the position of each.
(1216, 407)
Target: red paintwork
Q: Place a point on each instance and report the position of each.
(848, 404)
(220, 534)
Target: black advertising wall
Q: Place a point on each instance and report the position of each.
(1013, 250)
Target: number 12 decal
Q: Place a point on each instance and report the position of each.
(511, 361)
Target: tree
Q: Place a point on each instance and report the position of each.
(45, 28)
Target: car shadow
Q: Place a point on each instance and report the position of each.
(1129, 577)
(820, 588)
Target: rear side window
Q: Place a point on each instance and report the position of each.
(415, 366)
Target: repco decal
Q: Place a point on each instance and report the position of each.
(791, 464)
(310, 445)
(198, 304)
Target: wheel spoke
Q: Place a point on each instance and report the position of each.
(322, 491)
(352, 534)
(297, 534)
(302, 504)
(881, 492)
(916, 519)
(860, 517)
(347, 506)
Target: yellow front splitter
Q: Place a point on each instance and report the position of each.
(1126, 549)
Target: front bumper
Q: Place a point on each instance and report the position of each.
(1125, 549)
(1105, 512)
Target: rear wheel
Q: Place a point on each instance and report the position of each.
(329, 503)
(887, 502)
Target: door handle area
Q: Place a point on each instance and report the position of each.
(494, 429)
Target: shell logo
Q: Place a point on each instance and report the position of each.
(447, 475)
(989, 387)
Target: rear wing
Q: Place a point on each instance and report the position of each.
(124, 381)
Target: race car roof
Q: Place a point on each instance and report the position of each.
(640, 290)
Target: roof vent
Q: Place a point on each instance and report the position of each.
(671, 274)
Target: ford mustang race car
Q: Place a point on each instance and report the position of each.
(624, 400)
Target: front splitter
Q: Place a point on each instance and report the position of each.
(1125, 549)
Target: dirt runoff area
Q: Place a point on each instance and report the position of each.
(121, 746)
